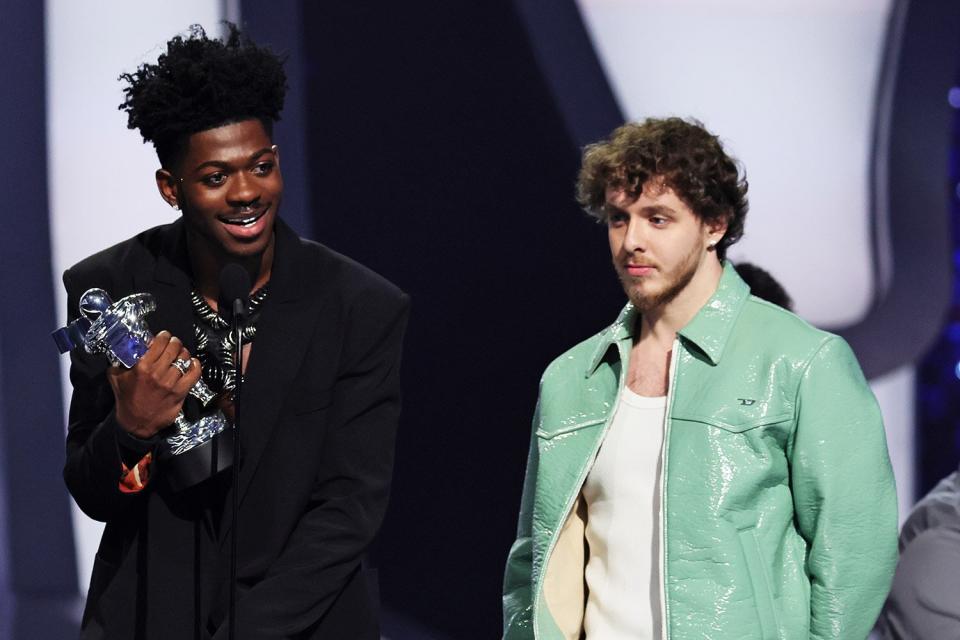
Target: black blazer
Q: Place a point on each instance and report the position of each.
(318, 416)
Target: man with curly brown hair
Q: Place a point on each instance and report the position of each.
(709, 465)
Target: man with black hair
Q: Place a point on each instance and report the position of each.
(320, 398)
(763, 285)
(709, 465)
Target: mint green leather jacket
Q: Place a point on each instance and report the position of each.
(778, 507)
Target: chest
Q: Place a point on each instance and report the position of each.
(649, 370)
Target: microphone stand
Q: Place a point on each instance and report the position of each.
(237, 329)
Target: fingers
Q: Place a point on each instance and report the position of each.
(173, 372)
(164, 349)
(188, 379)
(150, 395)
(160, 355)
(170, 353)
(156, 348)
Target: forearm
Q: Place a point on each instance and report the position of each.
(94, 469)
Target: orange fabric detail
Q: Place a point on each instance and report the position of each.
(134, 479)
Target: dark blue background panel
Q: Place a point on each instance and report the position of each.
(40, 586)
(440, 159)
(278, 26)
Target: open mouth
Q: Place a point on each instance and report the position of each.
(244, 221)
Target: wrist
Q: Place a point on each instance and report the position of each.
(135, 428)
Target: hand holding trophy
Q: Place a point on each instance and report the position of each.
(150, 395)
(152, 375)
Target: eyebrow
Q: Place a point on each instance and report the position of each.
(610, 208)
(223, 165)
(657, 209)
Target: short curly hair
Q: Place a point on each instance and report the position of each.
(202, 83)
(684, 155)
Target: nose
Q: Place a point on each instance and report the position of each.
(243, 191)
(635, 239)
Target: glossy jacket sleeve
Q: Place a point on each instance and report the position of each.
(93, 450)
(518, 577)
(844, 494)
(350, 493)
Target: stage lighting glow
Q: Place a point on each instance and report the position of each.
(953, 97)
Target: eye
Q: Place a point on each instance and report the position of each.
(214, 179)
(658, 221)
(616, 218)
(263, 168)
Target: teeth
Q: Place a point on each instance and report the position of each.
(243, 222)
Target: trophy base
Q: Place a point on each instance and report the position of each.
(200, 463)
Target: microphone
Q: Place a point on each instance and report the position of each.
(232, 302)
(234, 294)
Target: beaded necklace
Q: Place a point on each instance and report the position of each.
(216, 344)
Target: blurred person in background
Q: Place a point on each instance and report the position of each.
(924, 601)
(763, 285)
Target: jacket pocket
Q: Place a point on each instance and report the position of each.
(734, 420)
(760, 583)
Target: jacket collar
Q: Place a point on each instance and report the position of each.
(709, 330)
(173, 262)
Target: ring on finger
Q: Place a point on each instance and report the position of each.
(181, 365)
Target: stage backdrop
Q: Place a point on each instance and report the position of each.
(438, 143)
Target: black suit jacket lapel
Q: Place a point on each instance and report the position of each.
(283, 330)
(169, 282)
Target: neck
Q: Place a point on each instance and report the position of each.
(207, 262)
(661, 324)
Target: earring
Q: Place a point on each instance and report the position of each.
(175, 206)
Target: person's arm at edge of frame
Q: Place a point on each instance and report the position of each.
(923, 602)
(844, 494)
(350, 494)
(518, 576)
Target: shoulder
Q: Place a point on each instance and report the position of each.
(144, 243)
(572, 364)
(103, 267)
(786, 335)
(355, 283)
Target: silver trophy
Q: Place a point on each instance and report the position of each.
(195, 450)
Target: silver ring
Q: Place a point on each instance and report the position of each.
(181, 365)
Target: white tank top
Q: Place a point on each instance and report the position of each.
(622, 493)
